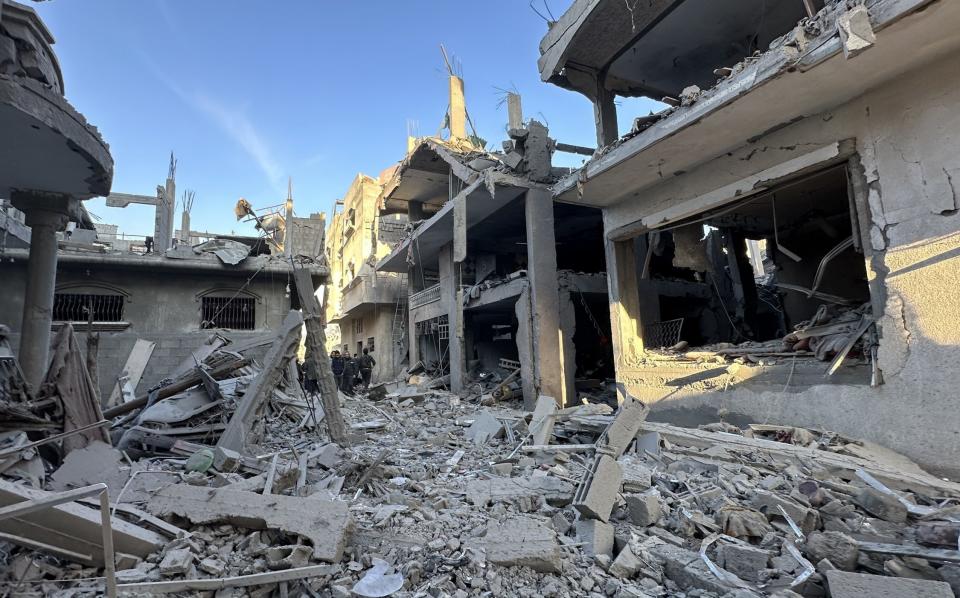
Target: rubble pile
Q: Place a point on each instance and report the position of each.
(440, 495)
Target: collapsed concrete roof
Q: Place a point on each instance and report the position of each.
(490, 191)
(800, 76)
(658, 47)
(50, 146)
(424, 174)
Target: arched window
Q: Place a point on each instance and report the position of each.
(230, 309)
(76, 303)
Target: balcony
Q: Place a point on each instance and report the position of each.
(427, 295)
(369, 289)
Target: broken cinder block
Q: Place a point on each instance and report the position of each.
(596, 536)
(598, 490)
(644, 508)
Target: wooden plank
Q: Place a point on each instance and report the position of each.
(133, 369)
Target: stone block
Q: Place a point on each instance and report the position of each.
(862, 585)
(484, 428)
(626, 564)
(596, 536)
(598, 491)
(553, 490)
(644, 508)
(881, 505)
(746, 562)
(523, 542)
(176, 562)
(838, 548)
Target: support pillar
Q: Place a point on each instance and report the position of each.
(45, 215)
(544, 295)
(450, 296)
(605, 115)
(625, 324)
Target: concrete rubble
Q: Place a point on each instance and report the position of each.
(469, 471)
(425, 502)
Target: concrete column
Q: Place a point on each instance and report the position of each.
(625, 324)
(605, 115)
(38, 299)
(458, 109)
(568, 327)
(544, 294)
(514, 111)
(450, 296)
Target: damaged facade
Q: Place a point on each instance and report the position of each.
(753, 270)
(503, 284)
(831, 151)
(368, 306)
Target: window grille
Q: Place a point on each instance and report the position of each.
(237, 313)
(72, 307)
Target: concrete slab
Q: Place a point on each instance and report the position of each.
(523, 542)
(862, 585)
(323, 522)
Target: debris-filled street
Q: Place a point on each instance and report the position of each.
(702, 345)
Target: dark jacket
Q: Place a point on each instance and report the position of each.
(336, 364)
(367, 362)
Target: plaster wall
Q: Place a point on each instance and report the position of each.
(377, 324)
(162, 306)
(906, 143)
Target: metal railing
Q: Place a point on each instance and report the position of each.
(38, 504)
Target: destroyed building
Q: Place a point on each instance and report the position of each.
(368, 306)
(824, 136)
(494, 268)
(511, 457)
(149, 310)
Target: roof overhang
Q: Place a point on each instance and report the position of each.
(658, 47)
(778, 88)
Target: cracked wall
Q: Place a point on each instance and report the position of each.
(906, 140)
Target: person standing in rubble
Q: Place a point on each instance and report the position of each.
(336, 364)
(348, 375)
(366, 364)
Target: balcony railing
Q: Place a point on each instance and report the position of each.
(427, 295)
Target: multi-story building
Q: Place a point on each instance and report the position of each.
(368, 307)
(826, 131)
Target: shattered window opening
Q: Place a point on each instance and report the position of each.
(778, 274)
(73, 307)
(236, 313)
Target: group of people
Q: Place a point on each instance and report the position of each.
(348, 371)
(352, 371)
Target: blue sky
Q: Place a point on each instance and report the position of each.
(248, 93)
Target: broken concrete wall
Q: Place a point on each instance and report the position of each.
(162, 306)
(903, 137)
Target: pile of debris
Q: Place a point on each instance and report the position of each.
(224, 479)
